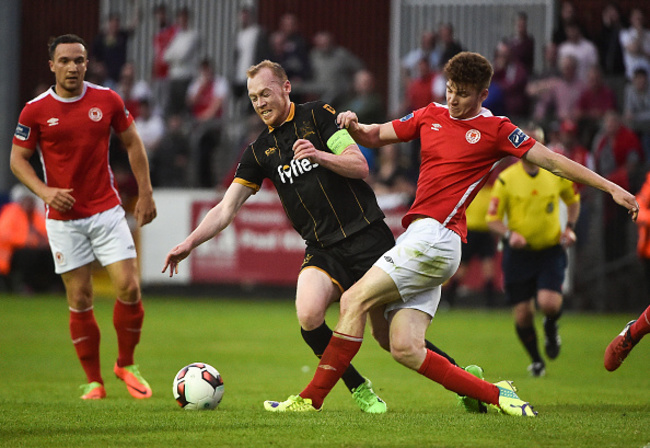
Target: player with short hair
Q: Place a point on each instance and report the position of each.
(461, 144)
(70, 125)
(317, 170)
(534, 247)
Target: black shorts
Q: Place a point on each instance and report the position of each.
(527, 271)
(346, 261)
(481, 245)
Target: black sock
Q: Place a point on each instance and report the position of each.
(528, 337)
(550, 325)
(435, 349)
(317, 339)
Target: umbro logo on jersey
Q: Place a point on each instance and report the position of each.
(436, 126)
(52, 121)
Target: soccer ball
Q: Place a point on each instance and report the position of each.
(198, 386)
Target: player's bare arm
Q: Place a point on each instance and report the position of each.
(60, 199)
(217, 219)
(368, 135)
(349, 163)
(145, 208)
(568, 237)
(562, 166)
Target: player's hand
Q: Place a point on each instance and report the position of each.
(60, 199)
(145, 210)
(348, 120)
(174, 257)
(624, 198)
(517, 241)
(568, 238)
(304, 149)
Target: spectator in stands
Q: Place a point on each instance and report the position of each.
(450, 46)
(556, 97)
(150, 125)
(426, 50)
(165, 32)
(207, 99)
(583, 50)
(365, 101)
(522, 43)
(595, 100)
(419, 90)
(251, 47)
(130, 90)
(110, 45)
(636, 108)
(608, 42)
(390, 180)
(170, 162)
(182, 55)
(295, 49)
(333, 68)
(635, 41)
(568, 14)
(512, 77)
(26, 262)
(619, 158)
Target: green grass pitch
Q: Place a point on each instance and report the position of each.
(256, 345)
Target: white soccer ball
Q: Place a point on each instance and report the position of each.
(198, 387)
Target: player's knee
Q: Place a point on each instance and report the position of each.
(129, 291)
(309, 319)
(405, 351)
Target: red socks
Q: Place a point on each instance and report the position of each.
(127, 320)
(455, 379)
(642, 326)
(335, 360)
(85, 337)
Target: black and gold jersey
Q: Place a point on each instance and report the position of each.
(324, 207)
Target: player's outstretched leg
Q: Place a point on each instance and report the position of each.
(619, 348)
(361, 388)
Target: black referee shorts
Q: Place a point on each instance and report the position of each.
(527, 271)
(346, 261)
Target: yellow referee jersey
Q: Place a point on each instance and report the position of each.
(476, 211)
(531, 204)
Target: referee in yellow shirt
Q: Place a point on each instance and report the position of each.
(534, 257)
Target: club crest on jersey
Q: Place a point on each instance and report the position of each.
(295, 168)
(517, 137)
(270, 151)
(406, 117)
(95, 114)
(473, 136)
(22, 132)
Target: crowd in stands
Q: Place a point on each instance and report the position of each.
(591, 96)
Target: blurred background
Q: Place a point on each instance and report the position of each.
(578, 69)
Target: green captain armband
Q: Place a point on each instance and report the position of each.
(339, 141)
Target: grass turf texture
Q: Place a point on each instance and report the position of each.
(256, 346)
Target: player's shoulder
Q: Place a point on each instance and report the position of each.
(41, 97)
(316, 106)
